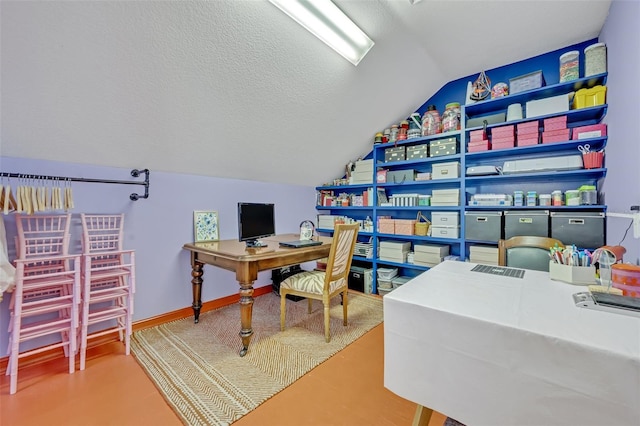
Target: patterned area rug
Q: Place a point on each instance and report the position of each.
(198, 370)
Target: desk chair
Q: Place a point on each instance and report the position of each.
(527, 252)
(46, 298)
(324, 285)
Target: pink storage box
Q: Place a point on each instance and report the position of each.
(502, 145)
(555, 123)
(526, 140)
(387, 226)
(405, 226)
(555, 136)
(507, 139)
(479, 146)
(503, 131)
(585, 132)
(477, 136)
(528, 127)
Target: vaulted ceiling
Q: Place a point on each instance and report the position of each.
(235, 88)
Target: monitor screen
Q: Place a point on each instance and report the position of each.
(255, 221)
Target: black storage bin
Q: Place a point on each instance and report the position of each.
(360, 278)
(281, 274)
(584, 229)
(526, 222)
(483, 225)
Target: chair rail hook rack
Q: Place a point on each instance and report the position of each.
(135, 173)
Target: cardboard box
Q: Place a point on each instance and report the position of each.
(445, 219)
(405, 226)
(503, 131)
(578, 275)
(386, 226)
(447, 146)
(528, 127)
(437, 250)
(555, 123)
(479, 146)
(561, 135)
(445, 232)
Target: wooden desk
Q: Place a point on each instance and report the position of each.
(233, 255)
(494, 350)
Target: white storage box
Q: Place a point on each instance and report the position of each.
(546, 106)
(393, 256)
(445, 232)
(358, 177)
(439, 250)
(578, 275)
(445, 197)
(445, 219)
(364, 166)
(483, 254)
(445, 170)
(387, 273)
(327, 221)
(395, 245)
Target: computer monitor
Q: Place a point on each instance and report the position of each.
(255, 221)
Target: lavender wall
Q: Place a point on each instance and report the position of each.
(621, 33)
(158, 227)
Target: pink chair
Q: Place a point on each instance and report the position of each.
(46, 297)
(108, 281)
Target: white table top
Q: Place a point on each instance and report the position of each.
(494, 350)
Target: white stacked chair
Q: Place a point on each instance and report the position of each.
(46, 298)
(108, 281)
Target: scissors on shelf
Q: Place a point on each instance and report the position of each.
(584, 149)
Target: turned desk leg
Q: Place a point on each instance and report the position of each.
(246, 312)
(196, 283)
(422, 416)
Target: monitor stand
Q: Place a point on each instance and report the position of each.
(255, 244)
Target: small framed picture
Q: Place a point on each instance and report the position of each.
(205, 226)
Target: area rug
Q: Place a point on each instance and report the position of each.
(199, 372)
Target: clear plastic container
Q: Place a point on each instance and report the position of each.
(595, 59)
(451, 117)
(570, 66)
(431, 124)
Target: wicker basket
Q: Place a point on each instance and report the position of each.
(422, 225)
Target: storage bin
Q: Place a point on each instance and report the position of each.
(417, 152)
(522, 83)
(584, 229)
(445, 219)
(524, 140)
(445, 170)
(360, 279)
(445, 232)
(585, 98)
(478, 146)
(526, 222)
(397, 153)
(593, 160)
(477, 135)
(555, 123)
(528, 127)
(550, 136)
(503, 131)
(404, 226)
(400, 176)
(578, 275)
(386, 226)
(548, 106)
(586, 132)
(483, 225)
(438, 250)
(446, 146)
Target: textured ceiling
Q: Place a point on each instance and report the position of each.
(235, 88)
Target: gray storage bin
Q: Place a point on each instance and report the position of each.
(483, 225)
(401, 176)
(526, 222)
(584, 229)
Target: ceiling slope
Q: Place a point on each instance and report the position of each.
(237, 89)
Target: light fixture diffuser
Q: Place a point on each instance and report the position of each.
(324, 20)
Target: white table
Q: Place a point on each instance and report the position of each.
(492, 350)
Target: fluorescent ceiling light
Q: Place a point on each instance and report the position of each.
(324, 20)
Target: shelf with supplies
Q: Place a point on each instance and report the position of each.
(555, 144)
(502, 103)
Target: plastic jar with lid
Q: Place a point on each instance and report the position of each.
(588, 195)
(570, 66)
(556, 198)
(451, 117)
(431, 124)
(595, 59)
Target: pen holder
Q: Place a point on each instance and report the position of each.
(592, 160)
(577, 275)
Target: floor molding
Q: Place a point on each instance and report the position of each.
(94, 345)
